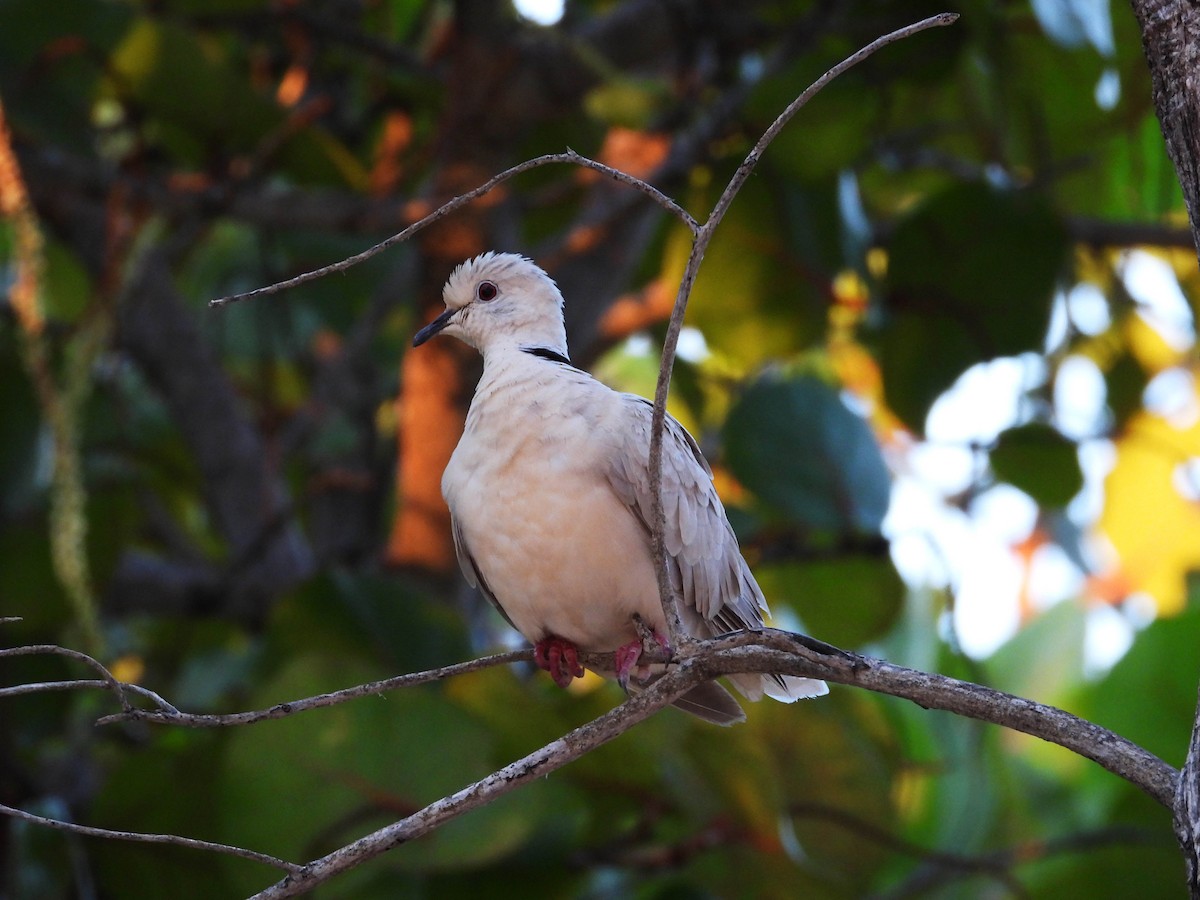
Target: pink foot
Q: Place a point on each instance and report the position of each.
(627, 655)
(560, 658)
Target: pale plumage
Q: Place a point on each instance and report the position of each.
(549, 492)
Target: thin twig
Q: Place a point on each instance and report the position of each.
(115, 686)
(764, 651)
(538, 764)
(41, 687)
(141, 837)
(570, 157)
(290, 708)
(700, 241)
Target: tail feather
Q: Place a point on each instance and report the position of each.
(708, 701)
(712, 703)
(784, 688)
(789, 688)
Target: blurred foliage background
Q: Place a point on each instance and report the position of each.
(941, 354)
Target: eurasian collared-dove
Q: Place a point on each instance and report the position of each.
(549, 493)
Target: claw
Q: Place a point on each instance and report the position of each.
(625, 659)
(560, 658)
(627, 656)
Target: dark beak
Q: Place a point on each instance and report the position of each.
(433, 327)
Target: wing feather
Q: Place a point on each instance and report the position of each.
(470, 569)
(718, 589)
(713, 578)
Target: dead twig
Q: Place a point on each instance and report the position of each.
(141, 837)
(168, 715)
(700, 240)
(570, 157)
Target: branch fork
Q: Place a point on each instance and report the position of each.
(690, 660)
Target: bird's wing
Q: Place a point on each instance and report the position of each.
(470, 569)
(719, 592)
(713, 579)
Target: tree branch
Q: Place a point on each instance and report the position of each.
(676, 634)
(1171, 40)
(144, 838)
(116, 687)
(785, 653)
(766, 651)
(538, 764)
(569, 157)
(172, 716)
(1187, 809)
(760, 651)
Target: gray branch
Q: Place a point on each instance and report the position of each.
(763, 651)
(1171, 40)
(141, 837)
(748, 652)
(700, 242)
(569, 157)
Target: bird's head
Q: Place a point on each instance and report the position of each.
(500, 300)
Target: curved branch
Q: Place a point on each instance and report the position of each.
(538, 764)
(42, 687)
(781, 652)
(758, 651)
(173, 716)
(569, 157)
(764, 651)
(117, 687)
(701, 239)
(144, 838)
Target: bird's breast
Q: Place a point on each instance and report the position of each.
(560, 551)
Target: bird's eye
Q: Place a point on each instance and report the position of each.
(486, 291)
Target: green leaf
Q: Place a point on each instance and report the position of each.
(66, 290)
(1152, 863)
(1149, 696)
(160, 787)
(301, 786)
(633, 103)
(970, 277)
(760, 292)
(390, 612)
(178, 81)
(921, 355)
(1124, 383)
(795, 444)
(1040, 461)
(846, 600)
(1044, 659)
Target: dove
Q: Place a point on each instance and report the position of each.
(550, 499)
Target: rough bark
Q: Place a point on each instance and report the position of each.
(1171, 40)
(1187, 810)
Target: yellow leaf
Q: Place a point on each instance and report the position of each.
(1154, 529)
(1152, 351)
(129, 669)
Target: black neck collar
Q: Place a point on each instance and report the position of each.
(547, 353)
